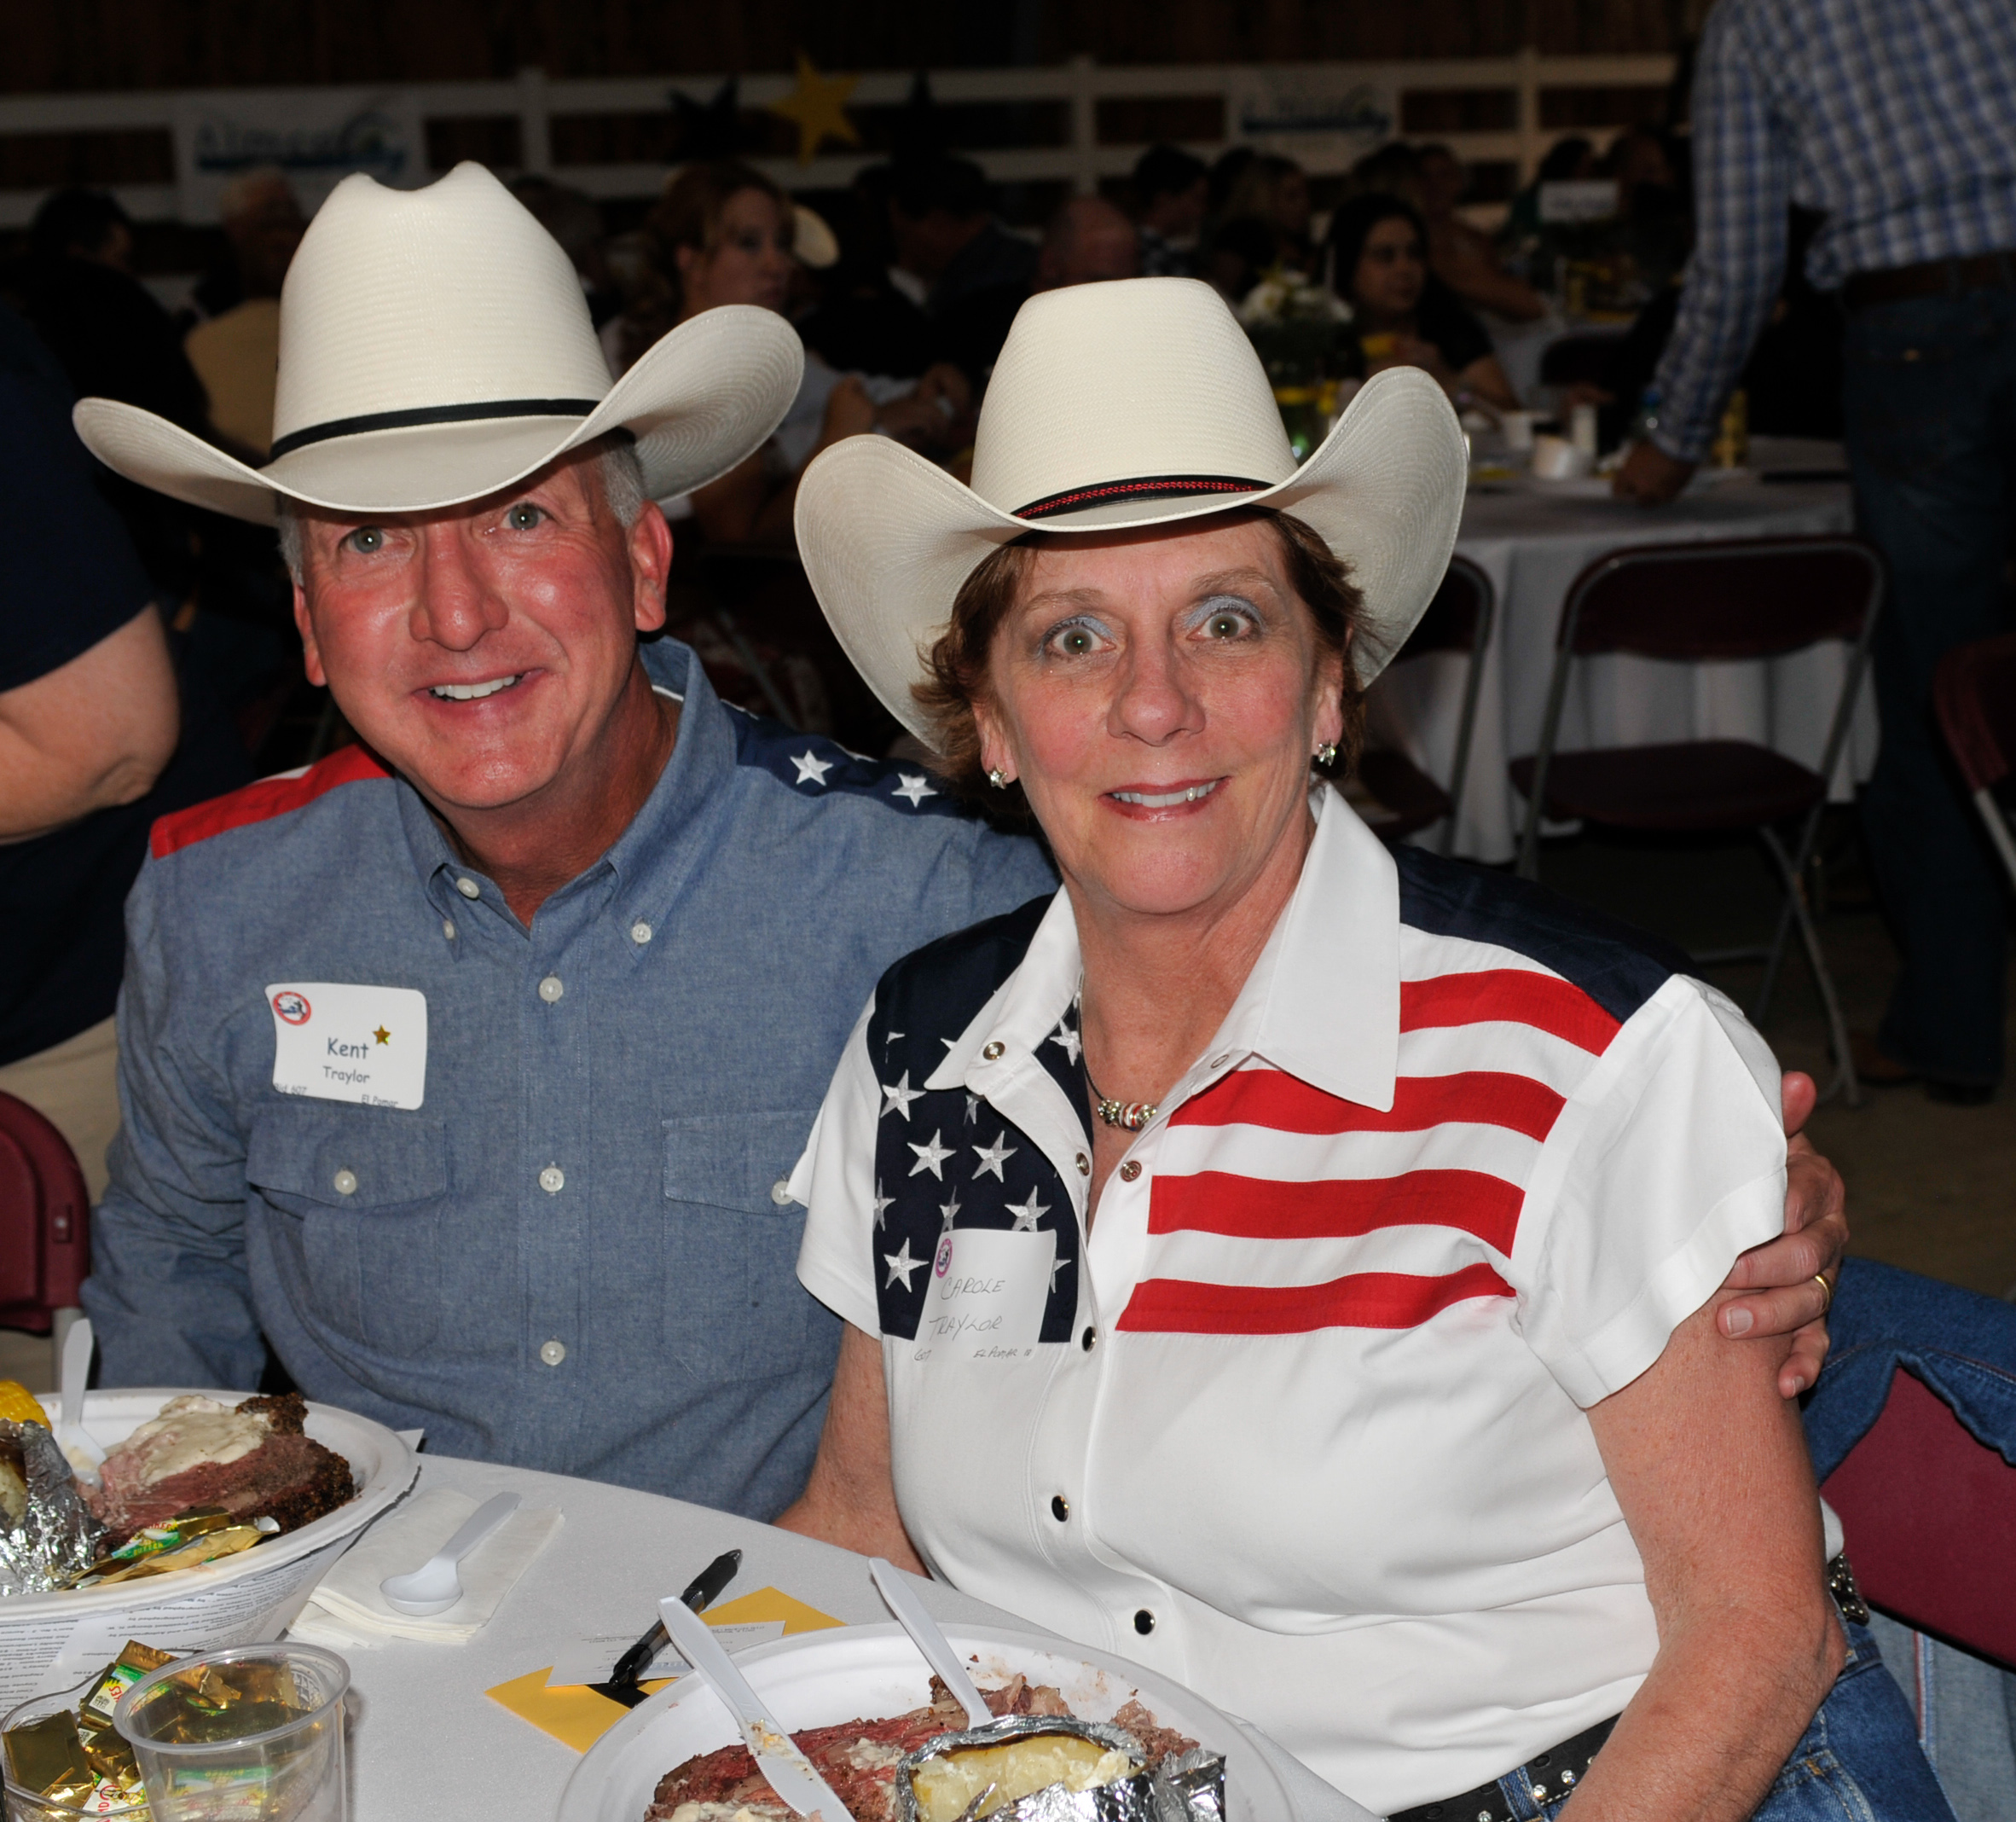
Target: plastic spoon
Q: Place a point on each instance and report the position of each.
(83, 1455)
(925, 1636)
(435, 1586)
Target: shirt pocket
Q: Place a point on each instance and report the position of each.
(363, 1192)
(732, 1305)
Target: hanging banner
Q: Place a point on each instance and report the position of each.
(317, 136)
(1324, 120)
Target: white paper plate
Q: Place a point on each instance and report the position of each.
(820, 1678)
(205, 1605)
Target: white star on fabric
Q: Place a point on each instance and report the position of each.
(1027, 1214)
(913, 787)
(1056, 1266)
(812, 769)
(950, 1210)
(881, 1202)
(897, 1099)
(900, 1264)
(929, 1158)
(992, 1158)
(1065, 1035)
(893, 1037)
(972, 1109)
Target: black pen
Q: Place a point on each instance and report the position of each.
(705, 1590)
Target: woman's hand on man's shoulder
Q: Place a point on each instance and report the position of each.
(1781, 1276)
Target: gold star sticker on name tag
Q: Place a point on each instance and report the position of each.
(383, 1035)
(817, 107)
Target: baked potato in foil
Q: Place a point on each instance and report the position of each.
(1053, 1768)
(48, 1534)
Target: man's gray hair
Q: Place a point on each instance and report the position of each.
(623, 492)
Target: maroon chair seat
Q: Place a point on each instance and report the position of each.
(1974, 693)
(1411, 798)
(1930, 1516)
(1686, 785)
(45, 1219)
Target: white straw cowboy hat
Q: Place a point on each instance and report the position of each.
(435, 347)
(1136, 401)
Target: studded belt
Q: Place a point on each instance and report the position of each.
(1554, 1773)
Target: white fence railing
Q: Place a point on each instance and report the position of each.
(1324, 114)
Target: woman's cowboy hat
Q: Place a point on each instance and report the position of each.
(435, 347)
(1136, 401)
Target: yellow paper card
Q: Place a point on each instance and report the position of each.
(577, 1716)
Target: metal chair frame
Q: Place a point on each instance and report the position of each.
(1486, 621)
(1791, 866)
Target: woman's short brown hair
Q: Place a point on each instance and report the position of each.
(955, 668)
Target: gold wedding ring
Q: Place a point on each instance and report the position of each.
(1826, 1292)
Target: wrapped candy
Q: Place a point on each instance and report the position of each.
(48, 1534)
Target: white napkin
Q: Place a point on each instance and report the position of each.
(346, 1610)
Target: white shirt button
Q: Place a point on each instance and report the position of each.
(550, 989)
(1130, 1170)
(346, 1182)
(554, 1353)
(640, 933)
(992, 1052)
(780, 1191)
(1084, 1165)
(468, 888)
(448, 928)
(552, 1179)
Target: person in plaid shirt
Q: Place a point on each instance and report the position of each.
(1898, 120)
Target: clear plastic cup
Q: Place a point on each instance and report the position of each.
(203, 1763)
(24, 1805)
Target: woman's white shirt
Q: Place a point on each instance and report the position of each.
(1308, 1402)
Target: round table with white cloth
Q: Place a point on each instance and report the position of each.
(426, 1739)
(1533, 538)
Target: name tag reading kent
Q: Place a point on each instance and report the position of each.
(986, 1296)
(338, 1042)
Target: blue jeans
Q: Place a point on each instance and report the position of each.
(1858, 1761)
(1929, 417)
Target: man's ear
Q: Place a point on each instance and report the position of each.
(311, 657)
(649, 540)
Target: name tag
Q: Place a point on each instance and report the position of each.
(987, 1292)
(341, 1042)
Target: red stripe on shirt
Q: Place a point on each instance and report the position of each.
(260, 802)
(1384, 1300)
(1273, 1099)
(1510, 995)
(1260, 1208)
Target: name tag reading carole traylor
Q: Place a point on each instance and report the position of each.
(338, 1042)
(986, 1296)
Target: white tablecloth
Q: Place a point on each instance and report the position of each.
(1533, 538)
(425, 1739)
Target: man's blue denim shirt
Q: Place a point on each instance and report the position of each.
(711, 965)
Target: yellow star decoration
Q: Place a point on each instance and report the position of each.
(383, 1035)
(817, 106)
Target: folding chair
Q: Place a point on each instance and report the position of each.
(1458, 619)
(1749, 599)
(1930, 1515)
(45, 1222)
(1975, 691)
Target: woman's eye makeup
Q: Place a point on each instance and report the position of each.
(1078, 637)
(1224, 617)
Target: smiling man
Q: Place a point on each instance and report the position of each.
(462, 1070)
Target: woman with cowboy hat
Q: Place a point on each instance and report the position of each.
(1291, 1264)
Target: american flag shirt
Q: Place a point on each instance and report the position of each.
(1303, 1426)
(1897, 119)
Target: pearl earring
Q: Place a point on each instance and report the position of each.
(997, 778)
(1326, 755)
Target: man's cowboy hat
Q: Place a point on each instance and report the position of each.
(1137, 401)
(435, 347)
